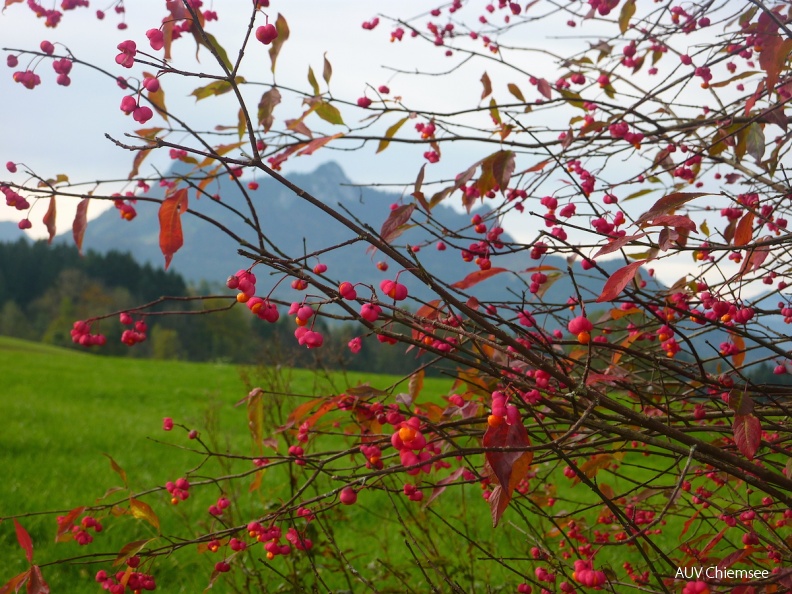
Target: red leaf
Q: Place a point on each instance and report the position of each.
(715, 540)
(747, 434)
(773, 57)
(617, 244)
(503, 168)
(668, 203)
(618, 280)
(80, 223)
(733, 557)
(49, 220)
(65, 523)
(544, 88)
(689, 523)
(23, 538)
(394, 224)
(171, 238)
(36, 583)
(676, 221)
(476, 277)
(15, 583)
(744, 231)
(510, 467)
(441, 485)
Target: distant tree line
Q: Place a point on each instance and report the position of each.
(45, 288)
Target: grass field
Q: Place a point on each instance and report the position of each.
(63, 410)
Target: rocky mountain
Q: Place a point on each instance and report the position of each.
(296, 227)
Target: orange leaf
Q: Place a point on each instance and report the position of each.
(739, 356)
(15, 583)
(49, 220)
(476, 277)
(747, 434)
(142, 511)
(116, 468)
(593, 465)
(23, 538)
(744, 230)
(317, 143)
(80, 223)
(618, 280)
(171, 238)
(136, 162)
(416, 384)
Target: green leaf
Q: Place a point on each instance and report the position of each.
(221, 53)
(329, 113)
(627, 12)
(216, 88)
(312, 81)
(383, 144)
(755, 141)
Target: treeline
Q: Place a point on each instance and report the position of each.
(45, 288)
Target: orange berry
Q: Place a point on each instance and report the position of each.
(242, 298)
(300, 322)
(406, 433)
(584, 337)
(494, 420)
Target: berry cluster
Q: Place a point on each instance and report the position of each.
(135, 335)
(180, 490)
(136, 581)
(79, 531)
(81, 334)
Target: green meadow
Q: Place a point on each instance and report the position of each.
(64, 413)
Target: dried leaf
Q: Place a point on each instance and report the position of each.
(310, 147)
(117, 469)
(485, 81)
(515, 90)
(327, 70)
(255, 415)
(266, 106)
(282, 28)
(49, 220)
(744, 231)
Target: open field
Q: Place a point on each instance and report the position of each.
(63, 411)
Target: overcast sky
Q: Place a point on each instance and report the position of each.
(55, 130)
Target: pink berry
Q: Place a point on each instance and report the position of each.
(266, 34)
(364, 102)
(47, 47)
(348, 496)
